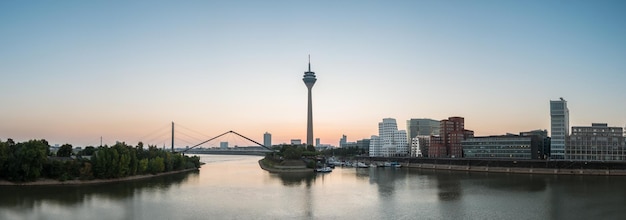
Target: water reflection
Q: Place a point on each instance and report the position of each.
(385, 178)
(295, 179)
(513, 182)
(28, 197)
(449, 186)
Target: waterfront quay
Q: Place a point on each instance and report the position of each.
(560, 167)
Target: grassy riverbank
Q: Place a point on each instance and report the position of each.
(287, 166)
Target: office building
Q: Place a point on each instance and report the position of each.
(363, 145)
(223, 145)
(544, 144)
(343, 140)
(508, 146)
(559, 128)
(296, 142)
(267, 139)
(422, 127)
(597, 142)
(448, 143)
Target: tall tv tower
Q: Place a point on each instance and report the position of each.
(309, 80)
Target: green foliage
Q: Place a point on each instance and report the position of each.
(28, 161)
(23, 161)
(293, 152)
(65, 150)
(310, 148)
(143, 166)
(86, 172)
(88, 151)
(343, 152)
(156, 165)
(310, 164)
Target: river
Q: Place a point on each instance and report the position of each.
(234, 187)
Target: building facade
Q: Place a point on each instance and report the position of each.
(223, 145)
(267, 139)
(390, 141)
(296, 141)
(544, 144)
(343, 140)
(422, 127)
(362, 145)
(448, 143)
(419, 146)
(597, 142)
(508, 146)
(559, 128)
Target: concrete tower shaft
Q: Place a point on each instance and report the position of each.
(309, 80)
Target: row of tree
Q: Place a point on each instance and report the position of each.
(31, 160)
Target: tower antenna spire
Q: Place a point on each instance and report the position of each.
(309, 62)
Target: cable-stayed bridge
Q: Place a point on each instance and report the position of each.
(185, 140)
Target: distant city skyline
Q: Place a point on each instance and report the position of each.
(75, 71)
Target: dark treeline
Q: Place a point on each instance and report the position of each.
(31, 160)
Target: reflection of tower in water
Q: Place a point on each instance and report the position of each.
(296, 180)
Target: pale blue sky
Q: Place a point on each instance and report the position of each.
(73, 71)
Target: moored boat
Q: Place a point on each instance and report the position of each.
(324, 170)
(361, 165)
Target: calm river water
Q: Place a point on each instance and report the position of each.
(234, 187)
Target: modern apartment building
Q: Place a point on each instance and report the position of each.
(559, 128)
(419, 146)
(390, 141)
(597, 142)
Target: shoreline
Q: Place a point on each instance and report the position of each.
(52, 182)
(544, 167)
(284, 169)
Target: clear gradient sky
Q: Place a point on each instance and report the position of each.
(72, 71)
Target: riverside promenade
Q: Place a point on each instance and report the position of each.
(559, 167)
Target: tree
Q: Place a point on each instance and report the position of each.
(65, 151)
(27, 160)
(88, 151)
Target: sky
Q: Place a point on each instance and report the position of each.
(75, 71)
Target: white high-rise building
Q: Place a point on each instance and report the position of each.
(390, 141)
(559, 128)
(375, 147)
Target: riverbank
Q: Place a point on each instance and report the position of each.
(51, 182)
(284, 169)
(598, 168)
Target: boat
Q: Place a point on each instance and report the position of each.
(396, 164)
(386, 164)
(361, 165)
(373, 165)
(324, 170)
